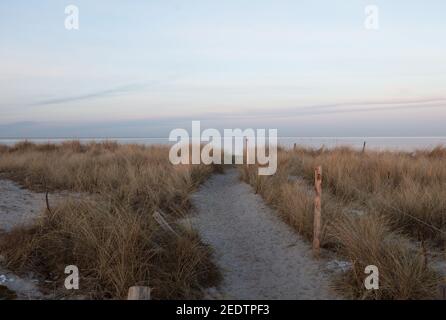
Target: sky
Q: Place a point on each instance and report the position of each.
(142, 68)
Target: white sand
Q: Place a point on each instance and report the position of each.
(25, 288)
(19, 206)
(261, 257)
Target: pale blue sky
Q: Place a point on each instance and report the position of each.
(142, 68)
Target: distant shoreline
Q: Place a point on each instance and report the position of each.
(375, 143)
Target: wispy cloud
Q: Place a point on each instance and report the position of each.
(159, 126)
(115, 91)
(344, 108)
(374, 103)
(93, 95)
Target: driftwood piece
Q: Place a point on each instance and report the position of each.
(159, 217)
(139, 293)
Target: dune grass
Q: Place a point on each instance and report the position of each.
(109, 233)
(408, 188)
(375, 207)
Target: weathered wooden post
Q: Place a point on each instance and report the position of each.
(363, 147)
(317, 210)
(139, 293)
(442, 292)
(247, 152)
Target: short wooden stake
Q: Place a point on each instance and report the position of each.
(363, 147)
(139, 293)
(317, 210)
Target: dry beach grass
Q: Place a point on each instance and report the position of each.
(378, 208)
(382, 208)
(111, 236)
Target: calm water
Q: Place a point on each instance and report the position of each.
(383, 143)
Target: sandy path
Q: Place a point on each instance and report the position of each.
(260, 256)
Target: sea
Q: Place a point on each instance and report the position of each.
(376, 143)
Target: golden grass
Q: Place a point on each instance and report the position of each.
(372, 202)
(409, 188)
(367, 240)
(111, 236)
